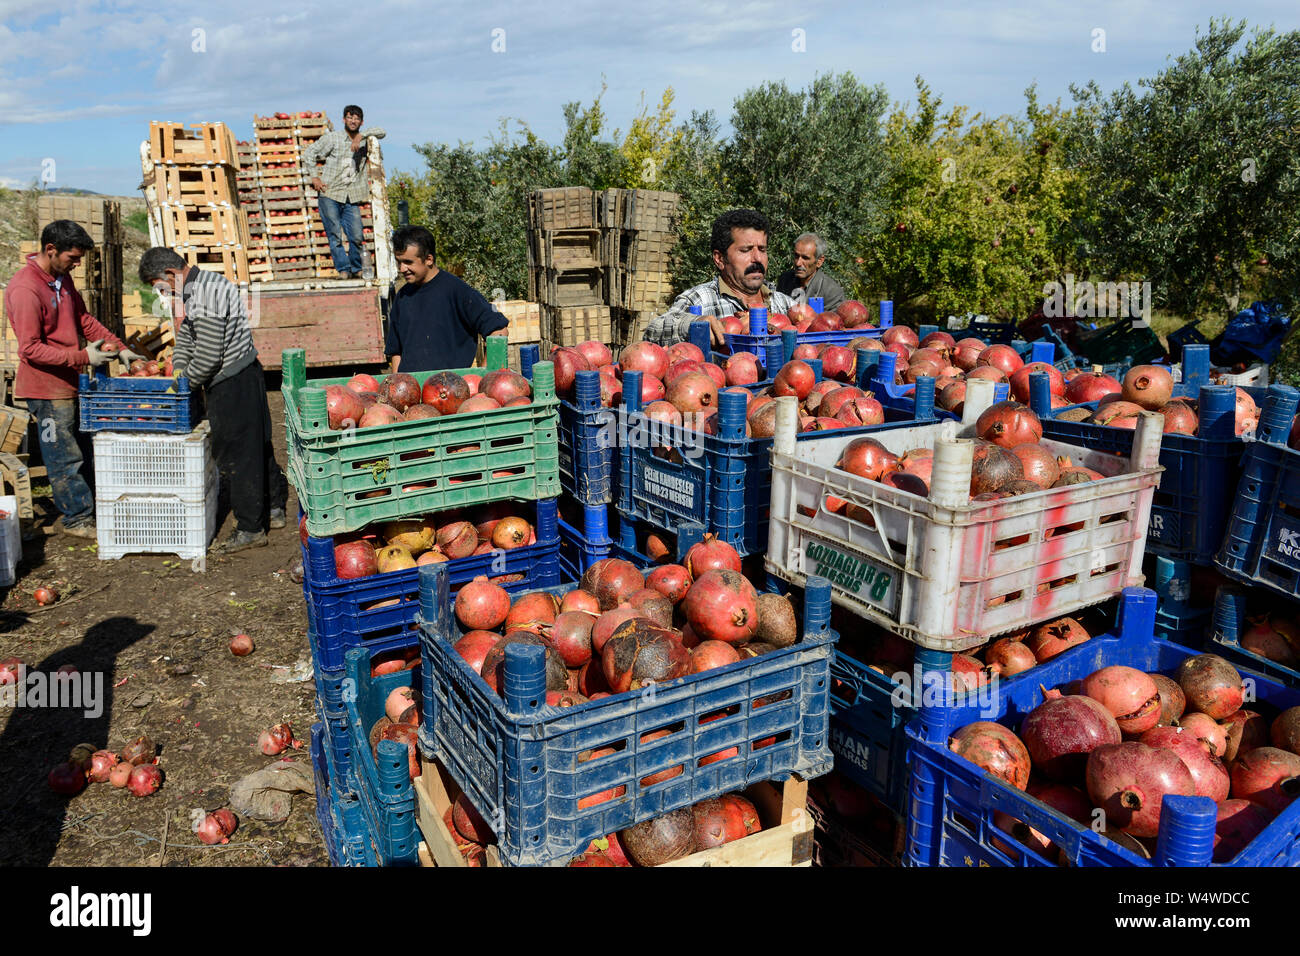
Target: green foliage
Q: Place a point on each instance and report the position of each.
(695, 171)
(1192, 177)
(138, 220)
(650, 145)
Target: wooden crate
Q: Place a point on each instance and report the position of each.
(630, 325)
(569, 249)
(647, 290)
(786, 839)
(195, 185)
(17, 482)
(216, 225)
(574, 324)
(100, 217)
(525, 320)
(648, 251)
(575, 287)
(13, 428)
(230, 261)
(133, 310)
(611, 207)
(568, 207)
(196, 144)
(649, 210)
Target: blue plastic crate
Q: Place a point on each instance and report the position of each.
(720, 482)
(1189, 334)
(1262, 545)
(339, 816)
(878, 376)
(868, 730)
(517, 759)
(383, 783)
(758, 340)
(1189, 512)
(1228, 622)
(994, 333)
(953, 801)
(128, 404)
(584, 541)
(1176, 619)
(345, 613)
(338, 747)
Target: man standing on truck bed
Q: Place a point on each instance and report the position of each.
(49, 320)
(214, 350)
(343, 186)
(436, 318)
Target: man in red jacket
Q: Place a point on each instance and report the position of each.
(50, 321)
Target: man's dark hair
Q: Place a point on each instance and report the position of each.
(66, 234)
(155, 263)
(416, 236)
(352, 108)
(735, 219)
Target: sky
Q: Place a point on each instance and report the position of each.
(80, 81)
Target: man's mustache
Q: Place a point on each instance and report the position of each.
(755, 268)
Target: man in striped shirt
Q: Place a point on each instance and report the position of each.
(214, 350)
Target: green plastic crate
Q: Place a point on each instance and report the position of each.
(461, 460)
(1120, 343)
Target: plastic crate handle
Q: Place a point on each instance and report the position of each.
(1186, 835)
(1279, 411)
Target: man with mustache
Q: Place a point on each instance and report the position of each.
(740, 255)
(806, 280)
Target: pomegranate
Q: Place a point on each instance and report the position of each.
(1172, 700)
(1130, 780)
(276, 740)
(361, 382)
(241, 645)
(571, 637)
(645, 357)
(900, 334)
(649, 603)
(400, 704)
(597, 354)
(710, 654)
(469, 824)
(145, 779)
(1020, 380)
(762, 419)
(445, 391)
(722, 605)
(1245, 731)
(777, 624)
(1090, 387)
(579, 600)
(742, 369)
(1055, 637)
(853, 313)
(681, 367)
(1001, 357)
(139, 751)
(1238, 822)
(1010, 657)
(393, 558)
(940, 341)
(355, 559)
(1129, 694)
(994, 748)
(1271, 637)
(652, 389)
(684, 350)
(1179, 419)
(660, 839)
(1009, 424)
(510, 533)
(1147, 385)
(457, 539)
(1209, 773)
(1211, 684)
(474, 646)
(102, 763)
(1285, 732)
(67, 779)
(663, 412)
(612, 580)
(1037, 464)
(532, 612)
(724, 819)
(400, 390)
(493, 670)
(1212, 734)
(670, 580)
(795, 378)
(1247, 412)
(861, 410)
(1060, 733)
(640, 653)
(1268, 776)
(505, 386)
(343, 406)
(379, 414)
(987, 372)
(1075, 476)
(120, 774)
(567, 362)
(710, 554)
(482, 605)
(966, 354)
(952, 398)
(838, 362)
(992, 467)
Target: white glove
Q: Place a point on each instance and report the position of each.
(127, 357)
(96, 355)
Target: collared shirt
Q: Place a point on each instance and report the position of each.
(343, 181)
(716, 299)
(820, 285)
(49, 319)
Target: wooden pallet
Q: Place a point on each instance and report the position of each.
(196, 144)
(573, 324)
(611, 208)
(216, 225)
(194, 185)
(786, 839)
(648, 251)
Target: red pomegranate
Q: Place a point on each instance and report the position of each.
(1010, 657)
(580, 600)
(901, 334)
(1268, 776)
(1055, 637)
(1037, 464)
(1130, 780)
(1172, 700)
(795, 378)
(361, 382)
(867, 458)
(532, 612)
(710, 554)
(670, 580)
(482, 605)
(1212, 734)
(994, 748)
(1020, 380)
(940, 341)
(343, 406)
(445, 391)
(992, 467)
(742, 369)
(660, 839)
(355, 559)
(597, 354)
(1149, 386)
(640, 653)
(1238, 822)
(1284, 734)
(721, 605)
(612, 580)
(380, 414)
(400, 390)
(853, 313)
(1060, 733)
(1274, 638)
(1009, 424)
(1209, 773)
(692, 392)
(493, 670)
(1001, 357)
(861, 410)
(724, 819)
(838, 362)
(428, 411)
(457, 539)
(1211, 684)
(1090, 387)
(710, 654)
(1128, 693)
(608, 622)
(570, 635)
(505, 386)
(645, 357)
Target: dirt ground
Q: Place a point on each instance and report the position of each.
(158, 633)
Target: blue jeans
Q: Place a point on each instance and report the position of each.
(340, 217)
(56, 428)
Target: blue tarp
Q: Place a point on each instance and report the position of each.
(1254, 335)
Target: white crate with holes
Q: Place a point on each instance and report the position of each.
(150, 463)
(158, 524)
(946, 572)
(11, 540)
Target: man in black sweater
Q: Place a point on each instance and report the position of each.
(436, 318)
(215, 351)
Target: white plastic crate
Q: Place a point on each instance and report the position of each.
(151, 463)
(11, 540)
(945, 572)
(158, 524)
(1256, 376)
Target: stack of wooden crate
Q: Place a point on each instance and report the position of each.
(639, 227)
(282, 187)
(99, 276)
(566, 272)
(250, 201)
(190, 186)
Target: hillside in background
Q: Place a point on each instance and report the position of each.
(18, 225)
